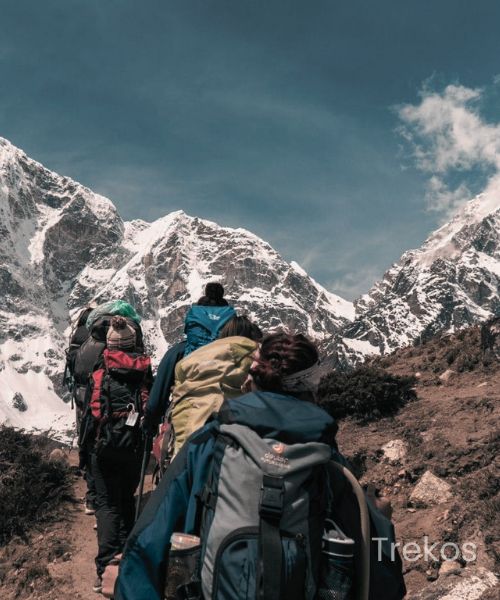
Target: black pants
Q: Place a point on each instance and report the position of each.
(115, 484)
(91, 494)
(85, 452)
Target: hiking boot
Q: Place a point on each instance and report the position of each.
(89, 509)
(97, 587)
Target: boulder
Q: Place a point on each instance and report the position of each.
(471, 584)
(431, 490)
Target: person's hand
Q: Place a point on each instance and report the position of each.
(110, 576)
(381, 503)
(149, 429)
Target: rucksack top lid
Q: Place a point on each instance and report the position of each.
(274, 457)
(130, 361)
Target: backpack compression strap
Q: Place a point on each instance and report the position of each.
(270, 563)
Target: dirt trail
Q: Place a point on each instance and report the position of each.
(77, 574)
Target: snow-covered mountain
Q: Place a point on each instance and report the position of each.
(452, 281)
(61, 246)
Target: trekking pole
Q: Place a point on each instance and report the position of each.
(144, 466)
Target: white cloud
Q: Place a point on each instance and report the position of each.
(441, 198)
(448, 134)
(353, 284)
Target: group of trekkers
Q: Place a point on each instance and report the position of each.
(253, 498)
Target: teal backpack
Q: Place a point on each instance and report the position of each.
(203, 324)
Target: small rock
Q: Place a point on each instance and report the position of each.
(447, 375)
(402, 473)
(418, 375)
(412, 510)
(431, 490)
(484, 384)
(57, 455)
(450, 567)
(444, 516)
(394, 451)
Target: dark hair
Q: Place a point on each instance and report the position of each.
(214, 295)
(282, 354)
(241, 326)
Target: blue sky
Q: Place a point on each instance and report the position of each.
(287, 118)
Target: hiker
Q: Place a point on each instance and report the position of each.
(86, 347)
(117, 393)
(79, 335)
(206, 377)
(77, 388)
(206, 318)
(203, 323)
(227, 486)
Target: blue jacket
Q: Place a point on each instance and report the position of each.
(157, 404)
(173, 505)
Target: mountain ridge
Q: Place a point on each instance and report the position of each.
(63, 246)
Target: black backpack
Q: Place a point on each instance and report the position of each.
(89, 352)
(79, 335)
(117, 395)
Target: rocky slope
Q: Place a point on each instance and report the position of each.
(437, 461)
(451, 282)
(61, 246)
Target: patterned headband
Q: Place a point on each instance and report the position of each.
(303, 381)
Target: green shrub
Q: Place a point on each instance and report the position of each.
(366, 393)
(32, 488)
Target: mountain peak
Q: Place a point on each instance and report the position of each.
(446, 242)
(451, 281)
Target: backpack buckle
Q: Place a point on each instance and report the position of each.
(272, 496)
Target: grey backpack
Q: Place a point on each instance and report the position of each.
(264, 509)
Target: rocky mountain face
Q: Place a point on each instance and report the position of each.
(50, 229)
(62, 246)
(451, 282)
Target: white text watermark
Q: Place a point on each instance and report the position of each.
(429, 551)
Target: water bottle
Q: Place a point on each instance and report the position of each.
(337, 565)
(183, 573)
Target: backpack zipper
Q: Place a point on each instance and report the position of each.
(245, 533)
(237, 534)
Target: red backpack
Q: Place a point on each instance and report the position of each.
(119, 391)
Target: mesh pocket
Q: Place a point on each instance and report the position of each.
(183, 573)
(336, 579)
